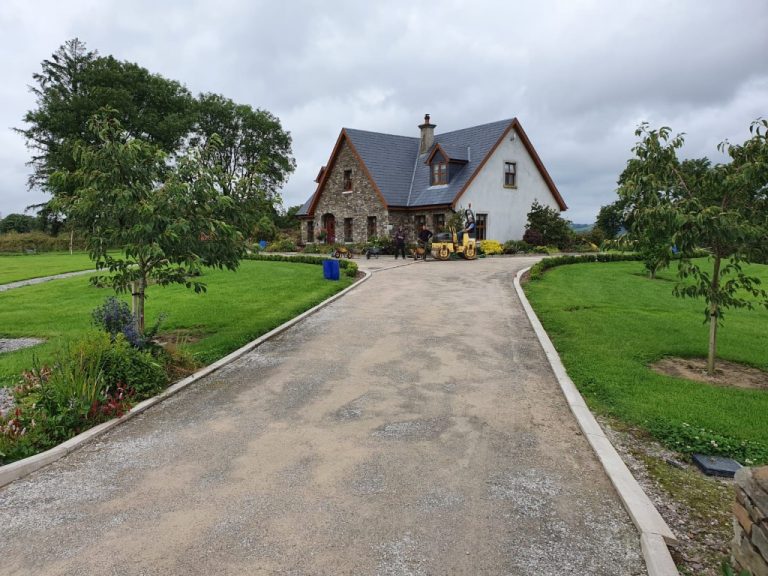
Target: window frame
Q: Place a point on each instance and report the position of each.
(439, 173)
(481, 226)
(371, 227)
(438, 223)
(347, 181)
(349, 230)
(508, 173)
(310, 231)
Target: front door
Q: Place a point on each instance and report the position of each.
(329, 223)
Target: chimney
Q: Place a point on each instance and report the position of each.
(427, 135)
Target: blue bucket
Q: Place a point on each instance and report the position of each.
(331, 269)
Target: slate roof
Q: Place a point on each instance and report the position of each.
(403, 176)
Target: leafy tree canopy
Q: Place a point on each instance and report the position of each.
(18, 223)
(169, 218)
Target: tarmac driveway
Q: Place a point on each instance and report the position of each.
(412, 427)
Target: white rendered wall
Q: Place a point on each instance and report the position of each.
(507, 208)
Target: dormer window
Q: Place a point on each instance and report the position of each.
(347, 180)
(439, 173)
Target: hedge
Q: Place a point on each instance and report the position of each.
(13, 242)
(350, 267)
(538, 269)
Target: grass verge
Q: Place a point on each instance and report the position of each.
(609, 322)
(237, 308)
(15, 267)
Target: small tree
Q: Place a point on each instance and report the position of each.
(169, 219)
(723, 208)
(552, 228)
(610, 219)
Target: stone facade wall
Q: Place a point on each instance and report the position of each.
(408, 219)
(750, 542)
(359, 203)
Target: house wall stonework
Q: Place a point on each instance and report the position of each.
(407, 219)
(359, 203)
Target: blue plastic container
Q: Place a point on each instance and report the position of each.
(331, 269)
(262, 244)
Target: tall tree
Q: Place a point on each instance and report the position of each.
(695, 204)
(168, 218)
(74, 84)
(253, 160)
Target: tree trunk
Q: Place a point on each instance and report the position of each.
(713, 317)
(71, 240)
(137, 301)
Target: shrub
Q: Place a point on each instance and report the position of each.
(533, 237)
(114, 317)
(139, 372)
(281, 245)
(516, 247)
(91, 381)
(545, 226)
(491, 247)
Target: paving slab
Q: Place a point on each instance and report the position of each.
(412, 427)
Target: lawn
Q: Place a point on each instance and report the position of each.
(15, 267)
(609, 322)
(237, 308)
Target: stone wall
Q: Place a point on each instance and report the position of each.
(750, 523)
(408, 219)
(359, 203)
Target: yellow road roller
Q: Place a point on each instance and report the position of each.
(446, 243)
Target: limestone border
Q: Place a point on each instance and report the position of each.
(655, 535)
(12, 472)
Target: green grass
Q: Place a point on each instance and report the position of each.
(238, 307)
(609, 322)
(15, 267)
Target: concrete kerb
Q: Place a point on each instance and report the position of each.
(11, 472)
(655, 535)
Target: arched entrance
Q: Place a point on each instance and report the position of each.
(328, 222)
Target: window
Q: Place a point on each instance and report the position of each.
(439, 173)
(421, 220)
(481, 225)
(438, 223)
(347, 229)
(347, 180)
(371, 227)
(510, 175)
(311, 231)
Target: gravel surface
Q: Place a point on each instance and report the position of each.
(11, 344)
(6, 401)
(374, 437)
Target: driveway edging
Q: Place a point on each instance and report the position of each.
(15, 470)
(655, 534)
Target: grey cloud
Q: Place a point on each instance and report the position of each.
(580, 76)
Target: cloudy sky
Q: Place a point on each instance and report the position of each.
(578, 74)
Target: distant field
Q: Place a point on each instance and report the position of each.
(609, 322)
(15, 267)
(237, 308)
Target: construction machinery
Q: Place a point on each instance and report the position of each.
(446, 243)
